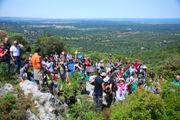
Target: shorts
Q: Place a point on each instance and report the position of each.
(38, 75)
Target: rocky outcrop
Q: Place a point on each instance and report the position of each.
(31, 116)
(5, 89)
(49, 107)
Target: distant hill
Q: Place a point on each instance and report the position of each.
(164, 20)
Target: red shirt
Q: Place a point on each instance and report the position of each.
(136, 65)
(121, 74)
(87, 62)
(1, 52)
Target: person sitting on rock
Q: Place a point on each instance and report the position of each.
(23, 73)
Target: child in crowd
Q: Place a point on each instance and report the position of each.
(55, 78)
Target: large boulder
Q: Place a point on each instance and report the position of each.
(48, 105)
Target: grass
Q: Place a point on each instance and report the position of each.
(34, 110)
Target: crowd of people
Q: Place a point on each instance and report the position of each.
(112, 81)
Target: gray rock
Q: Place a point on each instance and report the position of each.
(48, 105)
(31, 116)
(5, 89)
(8, 87)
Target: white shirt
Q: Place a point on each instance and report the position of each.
(15, 50)
(50, 66)
(123, 95)
(106, 78)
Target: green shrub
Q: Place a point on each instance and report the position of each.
(3, 71)
(14, 108)
(171, 66)
(75, 86)
(7, 103)
(5, 76)
(142, 105)
(83, 110)
(170, 94)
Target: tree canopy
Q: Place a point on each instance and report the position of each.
(50, 44)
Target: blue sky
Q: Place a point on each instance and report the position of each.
(90, 8)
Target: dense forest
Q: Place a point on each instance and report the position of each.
(156, 44)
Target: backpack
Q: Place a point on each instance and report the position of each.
(106, 84)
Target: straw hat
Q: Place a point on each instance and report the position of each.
(103, 74)
(101, 61)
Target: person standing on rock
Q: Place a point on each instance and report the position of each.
(15, 55)
(8, 57)
(37, 66)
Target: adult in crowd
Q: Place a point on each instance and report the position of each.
(30, 58)
(132, 69)
(98, 91)
(87, 62)
(110, 58)
(109, 66)
(62, 71)
(121, 92)
(56, 56)
(161, 80)
(71, 67)
(136, 64)
(110, 89)
(37, 67)
(3, 52)
(62, 56)
(50, 66)
(151, 74)
(15, 50)
(69, 56)
(106, 93)
(79, 55)
(134, 82)
(177, 80)
(24, 73)
(8, 57)
(100, 67)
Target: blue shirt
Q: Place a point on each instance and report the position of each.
(22, 71)
(71, 68)
(50, 66)
(98, 86)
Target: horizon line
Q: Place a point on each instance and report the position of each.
(91, 18)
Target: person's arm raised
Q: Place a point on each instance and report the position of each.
(21, 46)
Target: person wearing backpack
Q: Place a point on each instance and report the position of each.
(110, 93)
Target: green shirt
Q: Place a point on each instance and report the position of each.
(87, 77)
(134, 87)
(176, 82)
